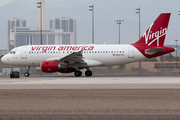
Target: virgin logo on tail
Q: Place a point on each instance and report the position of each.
(156, 33)
(151, 37)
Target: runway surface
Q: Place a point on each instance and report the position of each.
(116, 82)
(87, 98)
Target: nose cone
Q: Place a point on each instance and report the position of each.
(3, 59)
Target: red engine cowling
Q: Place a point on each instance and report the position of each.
(55, 66)
(49, 66)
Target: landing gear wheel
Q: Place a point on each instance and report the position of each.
(88, 73)
(26, 74)
(77, 73)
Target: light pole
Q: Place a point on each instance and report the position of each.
(119, 22)
(176, 52)
(138, 12)
(91, 8)
(39, 5)
(176, 42)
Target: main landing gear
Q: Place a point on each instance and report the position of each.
(26, 74)
(78, 73)
(88, 73)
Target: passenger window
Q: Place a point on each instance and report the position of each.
(89, 51)
(111, 51)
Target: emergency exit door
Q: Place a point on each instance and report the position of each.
(131, 52)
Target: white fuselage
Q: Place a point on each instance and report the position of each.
(108, 55)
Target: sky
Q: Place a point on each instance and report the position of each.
(105, 14)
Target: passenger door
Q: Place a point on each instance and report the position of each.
(24, 53)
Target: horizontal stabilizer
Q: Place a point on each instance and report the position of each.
(153, 50)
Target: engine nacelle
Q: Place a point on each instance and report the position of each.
(55, 66)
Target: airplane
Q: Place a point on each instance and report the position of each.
(73, 58)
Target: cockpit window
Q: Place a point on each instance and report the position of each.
(12, 52)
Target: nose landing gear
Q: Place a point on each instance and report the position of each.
(26, 74)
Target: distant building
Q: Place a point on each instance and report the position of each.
(62, 31)
(15, 22)
(32, 36)
(3, 51)
(66, 24)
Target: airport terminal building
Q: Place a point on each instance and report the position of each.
(25, 36)
(63, 32)
(14, 22)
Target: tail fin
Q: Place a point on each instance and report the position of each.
(156, 33)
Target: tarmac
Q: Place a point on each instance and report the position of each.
(87, 98)
(100, 82)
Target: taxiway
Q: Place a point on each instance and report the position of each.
(116, 82)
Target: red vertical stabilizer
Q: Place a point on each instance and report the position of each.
(152, 41)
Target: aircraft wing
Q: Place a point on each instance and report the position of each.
(76, 57)
(71, 58)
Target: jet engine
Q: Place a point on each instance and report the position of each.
(55, 66)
